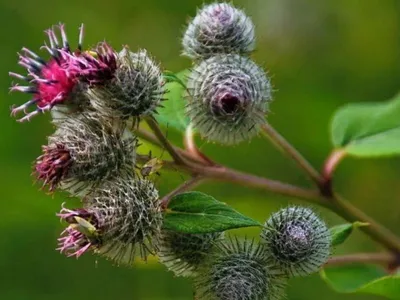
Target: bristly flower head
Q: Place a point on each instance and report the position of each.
(84, 151)
(129, 217)
(217, 29)
(228, 98)
(58, 80)
(183, 253)
(299, 241)
(137, 87)
(239, 271)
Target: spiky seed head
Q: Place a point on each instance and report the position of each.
(228, 98)
(299, 241)
(137, 87)
(129, 215)
(84, 151)
(183, 253)
(239, 270)
(61, 79)
(218, 28)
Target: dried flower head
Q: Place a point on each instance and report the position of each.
(218, 28)
(228, 98)
(61, 79)
(239, 271)
(130, 217)
(84, 151)
(299, 241)
(136, 89)
(183, 253)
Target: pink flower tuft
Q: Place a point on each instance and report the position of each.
(75, 240)
(53, 165)
(98, 66)
(53, 81)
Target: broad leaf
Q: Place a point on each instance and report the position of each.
(340, 233)
(362, 279)
(172, 114)
(368, 129)
(195, 212)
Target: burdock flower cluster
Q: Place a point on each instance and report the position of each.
(92, 94)
(228, 92)
(96, 95)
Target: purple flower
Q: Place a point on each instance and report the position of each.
(53, 82)
(53, 165)
(80, 235)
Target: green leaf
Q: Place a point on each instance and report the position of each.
(195, 212)
(340, 233)
(368, 129)
(367, 279)
(173, 112)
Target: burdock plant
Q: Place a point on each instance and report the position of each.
(96, 94)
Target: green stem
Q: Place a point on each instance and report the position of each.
(281, 143)
(374, 230)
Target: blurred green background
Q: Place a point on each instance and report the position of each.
(320, 55)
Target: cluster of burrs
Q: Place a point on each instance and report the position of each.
(228, 93)
(294, 242)
(228, 96)
(93, 95)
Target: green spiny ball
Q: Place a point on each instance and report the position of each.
(299, 241)
(84, 151)
(136, 89)
(130, 217)
(239, 271)
(183, 253)
(218, 28)
(228, 98)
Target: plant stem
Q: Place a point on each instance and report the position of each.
(245, 179)
(329, 167)
(192, 148)
(151, 138)
(280, 142)
(332, 201)
(233, 176)
(332, 162)
(187, 185)
(372, 258)
(164, 141)
(375, 230)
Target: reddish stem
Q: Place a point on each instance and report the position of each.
(384, 259)
(187, 185)
(332, 162)
(329, 168)
(191, 147)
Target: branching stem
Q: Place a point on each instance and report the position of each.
(187, 185)
(281, 143)
(332, 200)
(192, 148)
(164, 141)
(384, 259)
